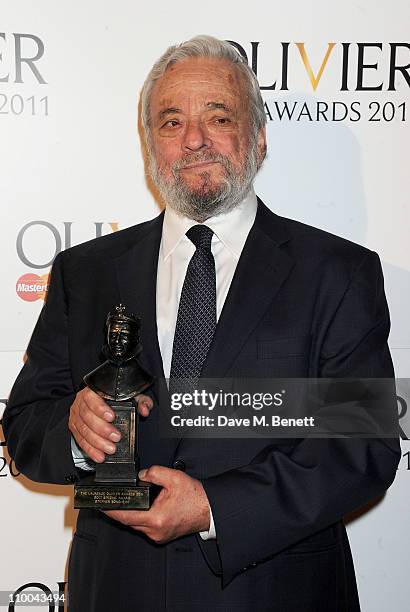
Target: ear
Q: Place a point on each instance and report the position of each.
(261, 145)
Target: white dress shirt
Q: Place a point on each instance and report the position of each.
(176, 249)
(230, 233)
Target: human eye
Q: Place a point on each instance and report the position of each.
(220, 121)
(170, 124)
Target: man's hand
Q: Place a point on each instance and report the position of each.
(181, 507)
(90, 423)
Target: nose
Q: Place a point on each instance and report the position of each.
(195, 137)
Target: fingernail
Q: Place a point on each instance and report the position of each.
(141, 474)
(109, 448)
(108, 416)
(115, 437)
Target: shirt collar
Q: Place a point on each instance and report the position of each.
(231, 228)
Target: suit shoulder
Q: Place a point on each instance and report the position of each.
(315, 250)
(332, 257)
(309, 242)
(324, 239)
(111, 245)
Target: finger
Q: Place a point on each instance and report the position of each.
(131, 518)
(97, 405)
(144, 405)
(160, 475)
(90, 441)
(91, 452)
(98, 425)
(153, 525)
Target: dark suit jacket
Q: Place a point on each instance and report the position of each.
(303, 303)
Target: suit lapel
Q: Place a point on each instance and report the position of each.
(261, 270)
(136, 271)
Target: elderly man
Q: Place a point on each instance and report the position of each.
(224, 287)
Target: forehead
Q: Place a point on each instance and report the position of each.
(198, 77)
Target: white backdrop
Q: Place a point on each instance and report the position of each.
(71, 168)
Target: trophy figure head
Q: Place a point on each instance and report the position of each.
(122, 334)
(120, 377)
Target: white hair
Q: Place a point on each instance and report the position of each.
(204, 46)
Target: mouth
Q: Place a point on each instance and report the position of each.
(201, 164)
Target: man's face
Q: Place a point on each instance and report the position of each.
(201, 136)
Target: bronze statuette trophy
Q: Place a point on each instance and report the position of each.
(115, 485)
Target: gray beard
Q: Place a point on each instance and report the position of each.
(209, 200)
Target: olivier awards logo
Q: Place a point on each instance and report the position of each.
(21, 62)
(372, 68)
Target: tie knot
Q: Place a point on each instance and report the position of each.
(201, 236)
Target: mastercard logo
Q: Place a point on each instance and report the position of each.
(32, 287)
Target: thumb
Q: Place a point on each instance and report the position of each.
(157, 474)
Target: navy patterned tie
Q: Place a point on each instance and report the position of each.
(196, 320)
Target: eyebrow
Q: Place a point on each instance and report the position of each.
(171, 110)
(218, 106)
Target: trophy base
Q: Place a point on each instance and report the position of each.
(114, 496)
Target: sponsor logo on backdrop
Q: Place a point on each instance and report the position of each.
(22, 62)
(361, 67)
(31, 286)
